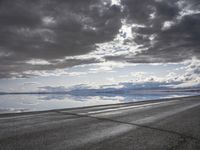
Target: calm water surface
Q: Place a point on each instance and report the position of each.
(39, 102)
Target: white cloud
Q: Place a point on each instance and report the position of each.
(48, 20)
(38, 62)
(57, 72)
(167, 25)
(191, 75)
(108, 66)
(115, 2)
(122, 44)
(111, 79)
(142, 77)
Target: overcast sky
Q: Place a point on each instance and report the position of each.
(63, 43)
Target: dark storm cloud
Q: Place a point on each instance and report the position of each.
(49, 30)
(53, 29)
(140, 11)
(169, 30)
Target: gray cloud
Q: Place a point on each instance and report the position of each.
(49, 30)
(169, 30)
(41, 30)
(21, 69)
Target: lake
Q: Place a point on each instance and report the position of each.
(38, 102)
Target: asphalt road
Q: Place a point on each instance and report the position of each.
(155, 125)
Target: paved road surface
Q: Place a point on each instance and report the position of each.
(155, 125)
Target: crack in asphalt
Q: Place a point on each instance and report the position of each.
(133, 124)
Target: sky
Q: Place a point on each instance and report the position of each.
(67, 44)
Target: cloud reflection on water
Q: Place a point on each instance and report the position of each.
(40, 102)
